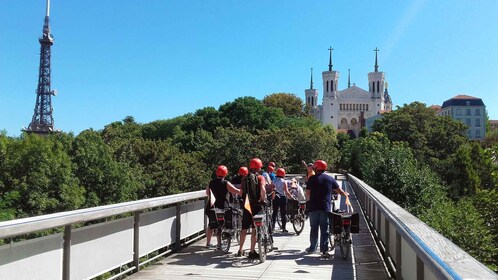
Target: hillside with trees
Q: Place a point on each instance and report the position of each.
(420, 160)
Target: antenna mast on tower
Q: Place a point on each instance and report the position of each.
(43, 121)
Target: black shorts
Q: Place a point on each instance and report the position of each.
(247, 217)
(212, 222)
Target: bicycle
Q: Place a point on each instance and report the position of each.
(340, 231)
(297, 220)
(264, 237)
(228, 227)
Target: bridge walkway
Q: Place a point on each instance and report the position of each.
(289, 261)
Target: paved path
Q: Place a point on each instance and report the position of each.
(289, 261)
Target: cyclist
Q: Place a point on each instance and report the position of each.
(253, 191)
(271, 172)
(217, 191)
(237, 181)
(280, 201)
(318, 193)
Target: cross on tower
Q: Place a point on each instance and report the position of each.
(330, 59)
(376, 64)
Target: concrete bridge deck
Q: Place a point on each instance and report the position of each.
(289, 261)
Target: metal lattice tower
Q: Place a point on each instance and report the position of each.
(43, 121)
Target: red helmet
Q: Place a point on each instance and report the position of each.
(243, 171)
(221, 171)
(255, 163)
(320, 165)
(270, 168)
(272, 164)
(280, 172)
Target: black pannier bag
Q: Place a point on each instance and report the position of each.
(336, 220)
(228, 218)
(294, 207)
(355, 223)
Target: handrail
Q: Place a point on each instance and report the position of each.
(33, 224)
(404, 224)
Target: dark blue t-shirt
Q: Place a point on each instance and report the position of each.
(321, 186)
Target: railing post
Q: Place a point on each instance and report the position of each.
(399, 274)
(420, 269)
(379, 223)
(136, 241)
(66, 254)
(178, 225)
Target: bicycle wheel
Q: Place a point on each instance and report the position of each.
(298, 224)
(261, 239)
(345, 247)
(226, 240)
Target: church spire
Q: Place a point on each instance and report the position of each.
(349, 78)
(311, 83)
(376, 64)
(330, 59)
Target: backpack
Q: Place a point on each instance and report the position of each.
(251, 187)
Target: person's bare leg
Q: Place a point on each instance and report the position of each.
(218, 237)
(243, 234)
(209, 233)
(253, 240)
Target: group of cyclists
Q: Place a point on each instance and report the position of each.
(253, 189)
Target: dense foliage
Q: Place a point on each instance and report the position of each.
(128, 161)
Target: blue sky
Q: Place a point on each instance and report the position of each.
(156, 59)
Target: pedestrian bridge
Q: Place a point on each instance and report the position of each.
(163, 238)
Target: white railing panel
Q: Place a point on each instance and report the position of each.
(192, 218)
(34, 259)
(408, 262)
(157, 229)
(99, 248)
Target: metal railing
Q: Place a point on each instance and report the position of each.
(413, 249)
(150, 225)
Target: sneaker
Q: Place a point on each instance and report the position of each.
(218, 247)
(209, 246)
(284, 230)
(239, 253)
(253, 255)
(309, 250)
(325, 255)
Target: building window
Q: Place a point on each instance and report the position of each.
(467, 103)
(478, 134)
(478, 112)
(478, 122)
(468, 122)
(327, 86)
(332, 85)
(467, 112)
(459, 112)
(378, 88)
(373, 86)
(367, 107)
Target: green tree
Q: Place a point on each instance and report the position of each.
(251, 113)
(41, 172)
(429, 135)
(463, 224)
(291, 105)
(106, 181)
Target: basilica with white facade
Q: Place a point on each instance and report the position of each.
(349, 108)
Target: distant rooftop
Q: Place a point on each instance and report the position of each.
(435, 107)
(461, 100)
